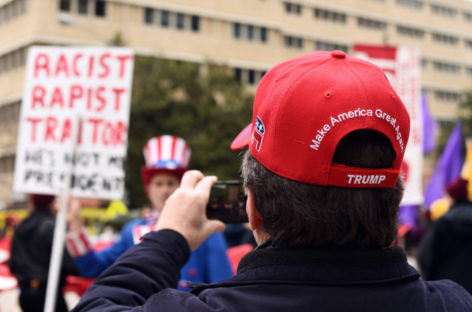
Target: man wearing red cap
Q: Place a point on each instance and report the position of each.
(326, 143)
(167, 158)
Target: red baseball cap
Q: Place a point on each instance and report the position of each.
(304, 106)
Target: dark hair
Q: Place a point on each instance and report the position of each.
(301, 214)
(41, 201)
(457, 189)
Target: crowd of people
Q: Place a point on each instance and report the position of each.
(323, 197)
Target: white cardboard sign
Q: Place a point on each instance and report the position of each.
(402, 66)
(74, 92)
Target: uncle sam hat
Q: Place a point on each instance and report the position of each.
(165, 153)
(302, 109)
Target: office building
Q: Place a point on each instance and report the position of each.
(249, 36)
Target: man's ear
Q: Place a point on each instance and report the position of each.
(255, 219)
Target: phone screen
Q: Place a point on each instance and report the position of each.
(227, 202)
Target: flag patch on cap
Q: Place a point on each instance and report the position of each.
(258, 133)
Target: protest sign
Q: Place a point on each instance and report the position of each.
(402, 66)
(87, 89)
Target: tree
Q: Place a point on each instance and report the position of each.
(205, 105)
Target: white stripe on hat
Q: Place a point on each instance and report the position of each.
(153, 151)
(179, 148)
(166, 145)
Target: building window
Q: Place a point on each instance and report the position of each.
(446, 39)
(447, 96)
(7, 163)
(165, 18)
(414, 4)
(12, 60)
(6, 12)
(9, 114)
(263, 34)
(237, 74)
(23, 5)
(22, 52)
(15, 8)
(330, 46)
(410, 31)
(251, 77)
(444, 11)
(148, 15)
(236, 30)
(195, 21)
(291, 41)
(424, 63)
(446, 67)
(100, 8)
(248, 76)
(250, 32)
(64, 5)
(83, 7)
(330, 15)
(6, 62)
(467, 16)
(180, 21)
(293, 8)
(468, 44)
(370, 23)
(468, 71)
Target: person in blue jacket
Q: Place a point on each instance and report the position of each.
(323, 183)
(167, 158)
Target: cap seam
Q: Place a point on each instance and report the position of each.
(289, 91)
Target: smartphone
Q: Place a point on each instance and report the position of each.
(227, 202)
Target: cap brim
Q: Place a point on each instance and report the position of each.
(243, 138)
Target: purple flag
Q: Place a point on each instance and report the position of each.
(430, 126)
(448, 168)
(408, 214)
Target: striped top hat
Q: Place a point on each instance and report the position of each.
(165, 153)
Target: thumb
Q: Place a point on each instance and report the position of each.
(213, 226)
(210, 227)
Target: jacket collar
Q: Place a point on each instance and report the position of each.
(329, 266)
(321, 267)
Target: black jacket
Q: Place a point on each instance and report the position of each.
(31, 250)
(446, 249)
(271, 279)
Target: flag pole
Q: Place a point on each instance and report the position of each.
(55, 262)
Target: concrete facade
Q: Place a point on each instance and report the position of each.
(247, 35)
